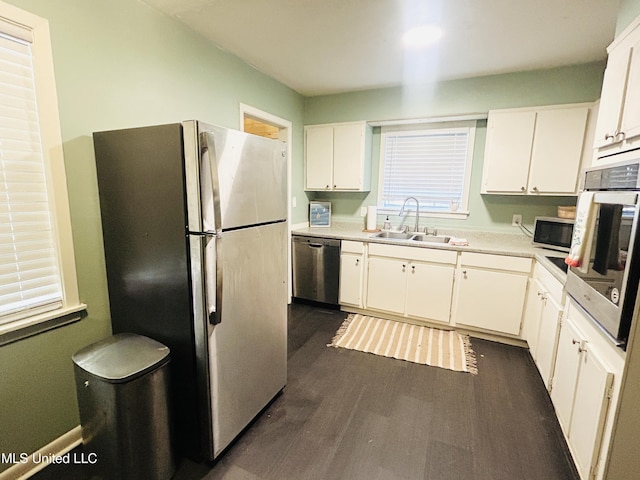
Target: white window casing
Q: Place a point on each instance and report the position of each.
(38, 283)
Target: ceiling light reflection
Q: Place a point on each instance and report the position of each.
(423, 36)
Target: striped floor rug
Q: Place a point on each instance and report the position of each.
(413, 343)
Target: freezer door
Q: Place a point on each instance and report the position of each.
(243, 179)
(248, 348)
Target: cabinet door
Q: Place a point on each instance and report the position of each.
(630, 123)
(611, 100)
(566, 373)
(386, 284)
(548, 338)
(348, 157)
(491, 300)
(351, 279)
(319, 158)
(589, 411)
(429, 291)
(557, 150)
(508, 151)
(532, 314)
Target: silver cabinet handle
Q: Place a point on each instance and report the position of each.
(579, 343)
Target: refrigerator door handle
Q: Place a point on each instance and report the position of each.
(209, 185)
(213, 277)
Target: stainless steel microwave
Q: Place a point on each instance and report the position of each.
(553, 232)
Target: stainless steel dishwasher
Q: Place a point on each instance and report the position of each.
(316, 269)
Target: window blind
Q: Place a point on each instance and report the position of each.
(429, 165)
(30, 281)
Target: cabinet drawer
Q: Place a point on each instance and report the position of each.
(549, 282)
(496, 262)
(349, 246)
(413, 253)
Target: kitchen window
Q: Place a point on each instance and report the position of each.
(38, 285)
(431, 163)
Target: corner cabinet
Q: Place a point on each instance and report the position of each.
(536, 151)
(491, 291)
(337, 157)
(618, 125)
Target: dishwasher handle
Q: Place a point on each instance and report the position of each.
(317, 242)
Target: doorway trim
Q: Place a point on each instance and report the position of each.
(286, 134)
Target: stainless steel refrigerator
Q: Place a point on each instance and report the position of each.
(195, 240)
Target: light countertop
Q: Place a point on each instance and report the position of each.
(516, 244)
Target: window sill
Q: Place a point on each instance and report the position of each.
(37, 324)
(460, 215)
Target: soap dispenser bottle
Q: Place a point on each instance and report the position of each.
(387, 224)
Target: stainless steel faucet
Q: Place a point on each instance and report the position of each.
(417, 211)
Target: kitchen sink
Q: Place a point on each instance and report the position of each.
(423, 237)
(394, 235)
(413, 237)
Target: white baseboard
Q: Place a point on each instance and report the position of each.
(30, 466)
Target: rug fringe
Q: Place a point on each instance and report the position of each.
(470, 355)
(341, 331)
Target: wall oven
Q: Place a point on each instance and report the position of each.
(605, 283)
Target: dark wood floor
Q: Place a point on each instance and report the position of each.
(351, 415)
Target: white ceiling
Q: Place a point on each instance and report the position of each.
(329, 46)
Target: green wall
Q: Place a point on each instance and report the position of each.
(118, 63)
(629, 10)
(575, 84)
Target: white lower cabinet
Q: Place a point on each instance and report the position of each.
(491, 291)
(386, 285)
(409, 281)
(543, 312)
(581, 392)
(351, 273)
(545, 354)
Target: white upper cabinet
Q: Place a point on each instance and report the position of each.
(508, 151)
(337, 157)
(618, 126)
(535, 151)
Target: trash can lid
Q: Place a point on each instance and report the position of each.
(122, 357)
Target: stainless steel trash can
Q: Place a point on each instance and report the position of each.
(122, 384)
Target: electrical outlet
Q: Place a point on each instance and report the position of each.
(363, 211)
(516, 220)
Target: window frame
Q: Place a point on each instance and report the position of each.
(51, 137)
(470, 126)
